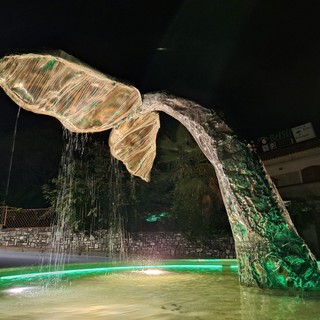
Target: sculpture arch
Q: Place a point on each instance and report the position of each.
(270, 252)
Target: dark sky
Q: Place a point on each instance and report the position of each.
(256, 61)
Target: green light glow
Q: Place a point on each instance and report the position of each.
(78, 270)
(49, 65)
(107, 269)
(155, 217)
(93, 265)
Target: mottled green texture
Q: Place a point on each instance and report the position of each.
(270, 252)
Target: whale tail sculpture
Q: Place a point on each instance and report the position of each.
(269, 250)
(84, 100)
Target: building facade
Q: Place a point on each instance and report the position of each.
(292, 159)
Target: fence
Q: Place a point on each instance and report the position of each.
(26, 218)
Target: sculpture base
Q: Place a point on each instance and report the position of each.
(286, 264)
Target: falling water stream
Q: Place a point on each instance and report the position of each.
(64, 203)
(117, 214)
(12, 154)
(66, 208)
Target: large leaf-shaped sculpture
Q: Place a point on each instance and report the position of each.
(269, 250)
(84, 100)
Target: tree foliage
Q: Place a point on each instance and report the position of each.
(197, 205)
(91, 187)
(79, 194)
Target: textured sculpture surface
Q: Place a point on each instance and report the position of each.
(83, 100)
(270, 252)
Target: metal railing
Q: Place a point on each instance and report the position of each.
(26, 218)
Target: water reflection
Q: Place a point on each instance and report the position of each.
(280, 304)
(167, 296)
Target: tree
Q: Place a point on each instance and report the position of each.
(197, 204)
(92, 190)
(79, 194)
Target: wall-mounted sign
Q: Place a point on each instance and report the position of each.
(303, 132)
(281, 135)
(287, 137)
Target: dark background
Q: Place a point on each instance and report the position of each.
(255, 61)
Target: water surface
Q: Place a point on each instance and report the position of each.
(168, 295)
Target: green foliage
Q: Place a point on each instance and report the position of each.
(196, 206)
(90, 189)
(80, 194)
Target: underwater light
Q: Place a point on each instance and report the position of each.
(153, 272)
(20, 290)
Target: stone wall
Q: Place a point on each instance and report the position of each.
(34, 238)
(138, 245)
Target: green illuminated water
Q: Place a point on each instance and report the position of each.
(185, 289)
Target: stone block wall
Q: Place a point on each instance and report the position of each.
(34, 238)
(138, 245)
(175, 245)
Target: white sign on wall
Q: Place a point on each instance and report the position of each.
(303, 132)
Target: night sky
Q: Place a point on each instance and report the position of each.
(257, 62)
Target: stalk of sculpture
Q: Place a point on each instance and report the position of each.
(269, 250)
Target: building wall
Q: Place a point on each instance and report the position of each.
(297, 175)
(305, 190)
(139, 245)
(288, 173)
(293, 162)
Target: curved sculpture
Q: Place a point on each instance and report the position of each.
(269, 250)
(83, 100)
